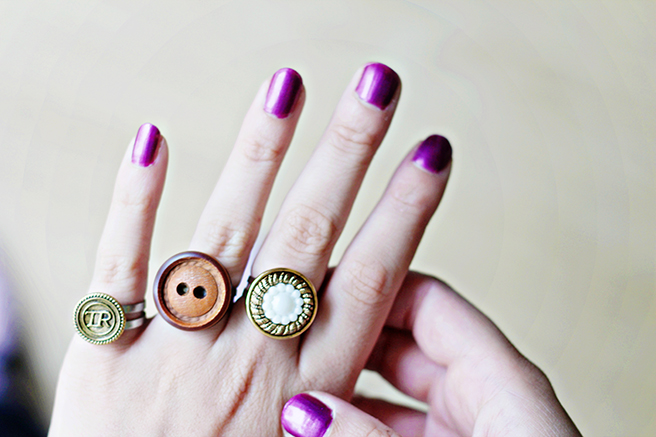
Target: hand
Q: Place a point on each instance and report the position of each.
(228, 379)
(439, 349)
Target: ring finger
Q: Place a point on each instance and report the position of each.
(315, 210)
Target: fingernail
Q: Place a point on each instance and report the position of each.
(378, 85)
(145, 145)
(306, 416)
(433, 154)
(283, 92)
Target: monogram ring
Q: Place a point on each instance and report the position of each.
(100, 319)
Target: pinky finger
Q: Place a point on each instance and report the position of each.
(123, 252)
(324, 415)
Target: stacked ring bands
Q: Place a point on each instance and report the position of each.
(100, 319)
(281, 303)
(193, 291)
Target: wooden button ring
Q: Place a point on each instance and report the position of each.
(281, 303)
(192, 291)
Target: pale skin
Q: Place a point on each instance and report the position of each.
(231, 380)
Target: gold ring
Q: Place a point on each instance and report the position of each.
(281, 303)
(100, 319)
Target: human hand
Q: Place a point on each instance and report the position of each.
(230, 379)
(438, 348)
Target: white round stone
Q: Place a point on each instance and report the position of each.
(282, 304)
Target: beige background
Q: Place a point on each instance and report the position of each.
(548, 221)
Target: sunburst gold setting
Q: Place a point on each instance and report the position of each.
(282, 303)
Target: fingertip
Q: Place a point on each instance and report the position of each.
(146, 143)
(285, 88)
(306, 416)
(318, 414)
(378, 85)
(148, 148)
(434, 154)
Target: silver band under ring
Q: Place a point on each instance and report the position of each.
(135, 323)
(134, 308)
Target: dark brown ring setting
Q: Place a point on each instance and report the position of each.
(192, 291)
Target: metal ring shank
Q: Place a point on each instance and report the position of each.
(134, 308)
(135, 323)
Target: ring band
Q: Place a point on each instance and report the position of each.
(281, 303)
(134, 308)
(134, 323)
(100, 319)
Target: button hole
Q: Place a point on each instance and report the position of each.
(200, 292)
(182, 289)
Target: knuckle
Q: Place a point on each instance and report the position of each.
(228, 242)
(411, 198)
(379, 432)
(518, 373)
(533, 375)
(263, 149)
(120, 270)
(367, 282)
(135, 201)
(309, 230)
(349, 139)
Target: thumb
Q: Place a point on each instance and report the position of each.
(323, 415)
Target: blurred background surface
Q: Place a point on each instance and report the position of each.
(548, 221)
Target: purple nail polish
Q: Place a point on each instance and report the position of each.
(433, 154)
(283, 91)
(378, 85)
(306, 416)
(145, 145)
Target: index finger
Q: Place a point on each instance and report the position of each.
(481, 365)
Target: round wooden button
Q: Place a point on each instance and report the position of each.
(192, 291)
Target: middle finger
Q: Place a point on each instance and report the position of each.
(231, 219)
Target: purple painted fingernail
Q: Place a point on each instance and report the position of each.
(433, 154)
(378, 85)
(145, 145)
(306, 416)
(283, 91)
